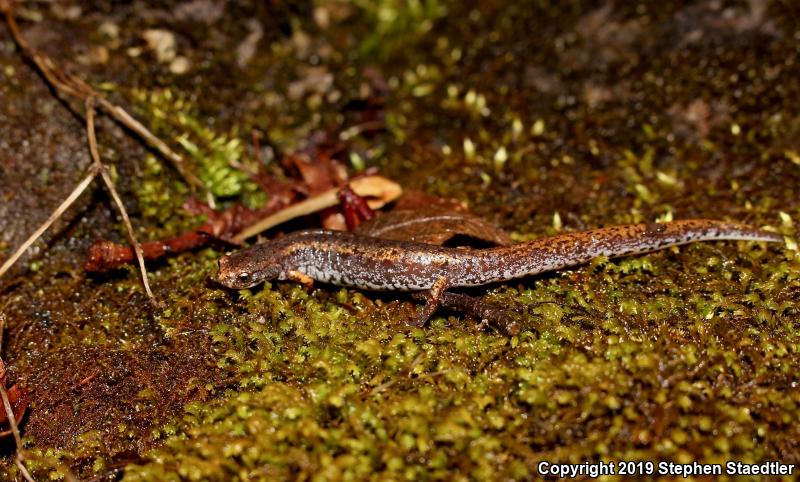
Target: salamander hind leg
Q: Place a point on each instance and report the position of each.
(433, 298)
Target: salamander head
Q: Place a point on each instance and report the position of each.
(245, 269)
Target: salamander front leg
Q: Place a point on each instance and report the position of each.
(302, 278)
(432, 299)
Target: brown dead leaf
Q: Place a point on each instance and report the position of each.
(416, 199)
(319, 172)
(433, 225)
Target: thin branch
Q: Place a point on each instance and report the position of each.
(101, 168)
(25, 474)
(55, 215)
(97, 167)
(74, 86)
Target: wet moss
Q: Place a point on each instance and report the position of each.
(214, 155)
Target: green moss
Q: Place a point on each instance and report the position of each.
(173, 116)
(396, 24)
(159, 197)
(340, 391)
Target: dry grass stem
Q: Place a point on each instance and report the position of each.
(100, 167)
(12, 419)
(75, 194)
(25, 474)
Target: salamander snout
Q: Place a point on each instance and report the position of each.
(235, 275)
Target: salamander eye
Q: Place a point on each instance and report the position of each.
(244, 276)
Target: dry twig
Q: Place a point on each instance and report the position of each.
(12, 418)
(96, 168)
(101, 168)
(12, 421)
(75, 194)
(25, 474)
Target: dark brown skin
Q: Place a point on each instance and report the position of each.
(348, 259)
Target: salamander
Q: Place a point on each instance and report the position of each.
(353, 260)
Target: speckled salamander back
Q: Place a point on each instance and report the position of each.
(348, 259)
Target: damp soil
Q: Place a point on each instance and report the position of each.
(541, 116)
